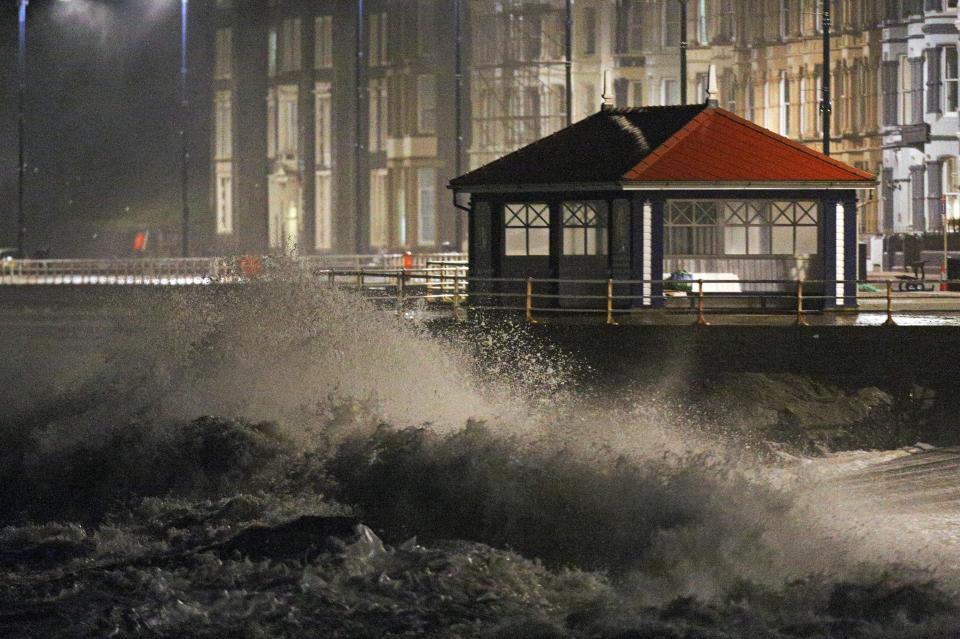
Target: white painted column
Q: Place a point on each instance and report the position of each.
(841, 265)
(647, 246)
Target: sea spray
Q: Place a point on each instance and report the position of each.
(557, 516)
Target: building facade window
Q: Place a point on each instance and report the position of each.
(323, 211)
(636, 89)
(223, 154)
(290, 45)
(379, 214)
(426, 26)
(288, 137)
(377, 39)
(950, 95)
(224, 199)
(671, 25)
(589, 31)
(741, 227)
(426, 206)
(669, 91)
(223, 55)
(323, 42)
(378, 114)
(272, 52)
(784, 115)
(272, 123)
(526, 229)
(585, 227)
(906, 92)
(426, 103)
(223, 126)
(703, 22)
(630, 27)
(323, 125)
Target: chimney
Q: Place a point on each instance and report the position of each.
(713, 90)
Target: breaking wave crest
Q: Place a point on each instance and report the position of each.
(181, 490)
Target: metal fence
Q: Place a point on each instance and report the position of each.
(441, 283)
(612, 301)
(201, 270)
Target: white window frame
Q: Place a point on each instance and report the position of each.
(224, 197)
(223, 126)
(288, 129)
(323, 125)
(426, 206)
(784, 111)
(323, 210)
(905, 91)
(379, 208)
(948, 81)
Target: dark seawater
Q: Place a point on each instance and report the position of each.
(289, 462)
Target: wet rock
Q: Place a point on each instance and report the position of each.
(43, 554)
(300, 538)
(883, 602)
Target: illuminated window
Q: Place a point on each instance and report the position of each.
(585, 228)
(288, 123)
(223, 125)
(741, 227)
(323, 126)
(426, 206)
(323, 211)
(526, 229)
(378, 208)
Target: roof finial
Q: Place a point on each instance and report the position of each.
(607, 103)
(713, 92)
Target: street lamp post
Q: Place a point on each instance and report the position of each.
(826, 105)
(184, 118)
(683, 51)
(21, 168)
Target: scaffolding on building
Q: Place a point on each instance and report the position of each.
(518, 74)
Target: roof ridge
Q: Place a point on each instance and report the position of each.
(794, 144)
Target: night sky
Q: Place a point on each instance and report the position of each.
(102, 120)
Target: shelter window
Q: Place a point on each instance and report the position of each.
(527, 228)
(585, 228)
(741, 227)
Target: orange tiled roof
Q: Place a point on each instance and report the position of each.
(718, 145)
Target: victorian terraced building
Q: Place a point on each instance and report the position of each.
(338, 135)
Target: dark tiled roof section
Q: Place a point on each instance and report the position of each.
(718, 145)
(599, 148)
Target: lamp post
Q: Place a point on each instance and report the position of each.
(683, 51)
(184, 117)
(826, 105)
(21, 169)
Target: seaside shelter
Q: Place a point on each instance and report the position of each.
(636, 194)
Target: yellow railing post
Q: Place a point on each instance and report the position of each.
(610, 320)
(530, 301)
(701, 318)
(456, 295)
(401, 277)
(800, 319)
(889, 321)
(332, 277)
(360, 280)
